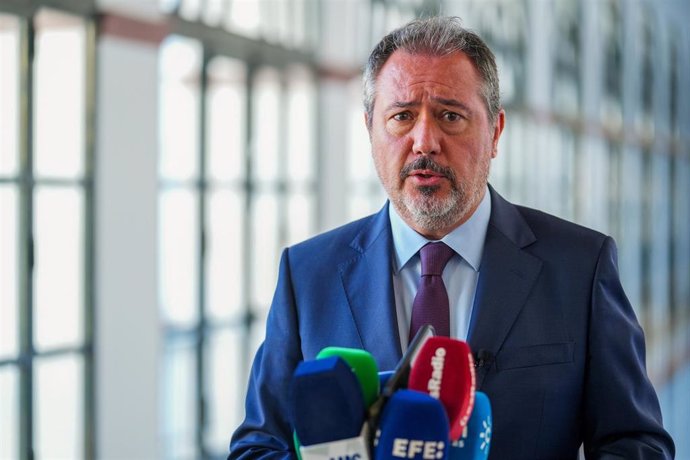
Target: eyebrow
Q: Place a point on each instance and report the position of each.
(440, 100)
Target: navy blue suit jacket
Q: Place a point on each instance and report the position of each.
(561, 354)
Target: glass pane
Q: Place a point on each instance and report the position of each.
(59, 409)
(361, 164)
(301, 209)
(300, 126)
(213, 12)
(245, 18)
(631, 241)
(179, 400)
(59, 266)
(568, 153)
(299, 28)
(267, 122)
(593, 180)
(257, 334)
(59, 99)
(9, 412)
(681, 231)
(9, 94)
(179, 266)
(566, 86)
(190, 9)
(226, 119)
(227, 285)
(659, 226)
(645, 115)
(225, 388)
(8, 271)
(611, 108)
(180, 65)
(264, 249)
(275, 16)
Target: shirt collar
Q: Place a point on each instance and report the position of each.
(467, 240)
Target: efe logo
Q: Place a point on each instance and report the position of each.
(410, 448)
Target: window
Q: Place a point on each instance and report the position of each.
(566, 91)
(238, 183)
(45, 190)
(611, 108)
(645, 113)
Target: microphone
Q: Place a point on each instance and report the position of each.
(362, 364)
(398, 379)
(444, 369)
(413, 426)
(476, 440)
(326, 401)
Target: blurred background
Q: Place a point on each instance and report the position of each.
(156, 156)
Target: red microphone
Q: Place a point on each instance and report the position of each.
(444, 369)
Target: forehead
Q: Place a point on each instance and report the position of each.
(406, 75)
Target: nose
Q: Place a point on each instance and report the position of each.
(426, 136)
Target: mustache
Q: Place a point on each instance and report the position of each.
(426, 163)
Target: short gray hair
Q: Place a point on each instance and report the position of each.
(435, 36)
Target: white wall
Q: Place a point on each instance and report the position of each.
(127, 330)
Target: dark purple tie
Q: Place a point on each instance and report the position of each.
(431, 302)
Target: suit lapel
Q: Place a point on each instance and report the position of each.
(506, 277)
(368, 285)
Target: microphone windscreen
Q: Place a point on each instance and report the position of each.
(413, 425)
(444, 369)
(476, 440)
(326, 402)
(362, 364)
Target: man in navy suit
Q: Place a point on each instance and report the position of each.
(559, 350)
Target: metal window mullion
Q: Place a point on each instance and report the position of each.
(318, 139)
(247, 246)
(26, 244)
(89, 305)
(283, 189)
(202, 190)
(647, 216)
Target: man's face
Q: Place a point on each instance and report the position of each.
(431, 139)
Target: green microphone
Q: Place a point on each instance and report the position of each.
(298, 445)
(362, 364)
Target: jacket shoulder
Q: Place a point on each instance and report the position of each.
(563, 239)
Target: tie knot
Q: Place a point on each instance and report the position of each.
(435, 256)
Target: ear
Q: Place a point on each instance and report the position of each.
(498, 130)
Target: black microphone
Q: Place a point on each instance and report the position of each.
(399, 378)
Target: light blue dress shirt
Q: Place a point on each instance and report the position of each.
(460, 275)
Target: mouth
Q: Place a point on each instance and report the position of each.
(426, 177)
(425, 173)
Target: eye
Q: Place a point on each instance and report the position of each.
(451, 116)
(402, 116)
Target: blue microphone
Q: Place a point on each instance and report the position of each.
(476, 440)
(326, 402)
(413, 425)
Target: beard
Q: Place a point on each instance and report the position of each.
(434, 213)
